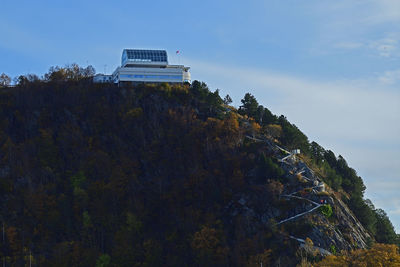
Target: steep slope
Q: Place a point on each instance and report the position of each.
(160, 176)
(303, 187)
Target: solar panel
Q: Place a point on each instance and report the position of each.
(147, 55)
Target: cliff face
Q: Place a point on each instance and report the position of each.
(297, 206)
(156, 176)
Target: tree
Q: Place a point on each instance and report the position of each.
(255, 128)
(21, 80)
(384, 228)
(274, 130)
(363, 213)
(207, 245)
(378, 255)
(265, 116)
(200, 89)
(262, 259)
(317, 152)
(309, 247)
(88, 71)
(32, 78)
(250, 105)
(55, 74)
(274, 188)
(292, 137)
(214, 101)
(70, 72)
(227, 100)
(5, 80)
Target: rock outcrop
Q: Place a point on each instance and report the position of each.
(299, 203)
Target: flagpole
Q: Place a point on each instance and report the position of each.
(178, 56)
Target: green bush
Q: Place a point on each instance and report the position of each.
(326, 210)
(333, 249)
(103, 260)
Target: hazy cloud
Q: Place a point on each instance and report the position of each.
(368, 12)
(369, 25)
(390, 77)
(397, 209)
(348, 45)
(355, 118)
(385, 11)
(387, 47)
(356, 104)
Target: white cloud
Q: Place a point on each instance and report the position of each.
(390, 77)
(387, 47)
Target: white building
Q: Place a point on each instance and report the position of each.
(102, 78)
(146, 66)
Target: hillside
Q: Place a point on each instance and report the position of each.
(98, 175)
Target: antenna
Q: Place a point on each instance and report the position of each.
(105, 68)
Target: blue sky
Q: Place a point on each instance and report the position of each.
(332, 67)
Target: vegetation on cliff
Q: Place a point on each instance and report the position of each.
(157, 175)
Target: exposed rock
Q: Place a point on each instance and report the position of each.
(342, 231)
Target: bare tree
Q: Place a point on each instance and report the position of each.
(5, 80)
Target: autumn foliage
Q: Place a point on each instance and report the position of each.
(380, 255)
(146, 175)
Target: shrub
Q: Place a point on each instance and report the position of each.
(103, 260)
(333, 249)
(326, 210)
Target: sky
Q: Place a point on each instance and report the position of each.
(331, 67)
